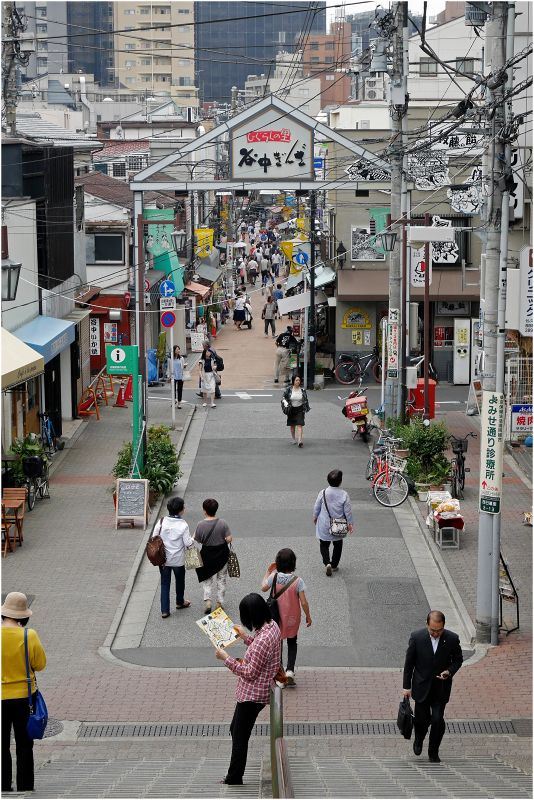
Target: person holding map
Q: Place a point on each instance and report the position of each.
(255, 674)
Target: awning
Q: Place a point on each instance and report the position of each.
(366, 284)
(77, 314)
(294, 280)
(19, 362)
(207, 273)
(47, 335)
(299, 301)
(197, 288)
(323, 276)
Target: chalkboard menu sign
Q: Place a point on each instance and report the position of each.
(132, 501)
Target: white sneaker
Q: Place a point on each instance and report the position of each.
(204, 405)
(179, 405)
(213, 405)
(290, 675)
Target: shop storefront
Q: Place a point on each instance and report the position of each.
(21, 370)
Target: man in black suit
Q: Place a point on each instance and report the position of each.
(434, 655)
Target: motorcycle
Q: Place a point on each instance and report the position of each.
(357, 410)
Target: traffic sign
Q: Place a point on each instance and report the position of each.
(318, 163)
(168, 318)
(167, 302)
(167, 289)
(301, 258)
(491, 452)
(147, 285)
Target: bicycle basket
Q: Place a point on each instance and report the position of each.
(32, 466)
(459, 445)
(396, 464)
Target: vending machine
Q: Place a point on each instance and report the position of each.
(476, 348)
(461, 358)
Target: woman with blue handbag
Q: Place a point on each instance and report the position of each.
(22, 656)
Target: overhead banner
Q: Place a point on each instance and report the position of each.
(272, 147)
(204, 241)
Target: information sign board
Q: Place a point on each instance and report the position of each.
(122, 360)
(167, 303)
(491, 452)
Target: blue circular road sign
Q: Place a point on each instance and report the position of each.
(168, 318)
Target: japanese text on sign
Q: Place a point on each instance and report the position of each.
(94, 336)
(522, 419)
(270, 151)
(269, 136)
(526, 291)
(393, 349)
(491, 451)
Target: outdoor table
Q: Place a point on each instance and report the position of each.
(13, 501)
(447, 528)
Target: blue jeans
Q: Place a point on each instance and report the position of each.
(179, 578)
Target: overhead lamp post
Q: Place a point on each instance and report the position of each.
(179, 239)
(388, 240)
(341, 254)
(10, 278)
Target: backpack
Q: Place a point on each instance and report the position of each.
(219, 363)
(155, 549)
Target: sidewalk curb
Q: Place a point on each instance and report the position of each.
(105, 649)
(457, 601)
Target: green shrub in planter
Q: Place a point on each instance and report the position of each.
(161, 468)
(29, 446)
(427, 462)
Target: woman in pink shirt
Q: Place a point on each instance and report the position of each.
(290, 596)
(255, 674)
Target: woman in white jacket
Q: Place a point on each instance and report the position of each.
(176, 537)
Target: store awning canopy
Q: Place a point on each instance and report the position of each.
(47, 335)
(19, 362)
(197, 288)
(299, 301)
(323, 276)
(294, 280)
(208, 273)
(366, 284)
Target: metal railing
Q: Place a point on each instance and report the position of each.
(280, 773)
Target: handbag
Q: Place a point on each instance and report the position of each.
(155, 549)
(338, 525)
(405, 718)
(38, 719)
(285, 406)
(193, 559)
(233, 565)
(272, 600)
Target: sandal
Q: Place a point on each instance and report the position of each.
(185, 604)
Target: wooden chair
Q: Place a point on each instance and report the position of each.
(13, 507)
(6, 533)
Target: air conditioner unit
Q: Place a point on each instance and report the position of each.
(374, 94)
(374, 89)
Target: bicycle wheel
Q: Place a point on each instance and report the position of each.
(461, 473)
(370, 467)
(32, 493)
(44, 487)
(454, 481)
(347, 372)
(377, 371)
(390, 490)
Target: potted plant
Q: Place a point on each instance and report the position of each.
(427, 464)
(29, 446)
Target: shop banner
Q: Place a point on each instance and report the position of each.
(94, 336)
(204, 241)
(491, 452)
(417, 267)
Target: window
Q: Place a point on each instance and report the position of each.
(466, 65)
(119, 169)
(42, 45)
(314, 45)
(40, 11)
(144, 10)
(129, 46)
(41, 28)
(329, 60)
(131, 63)
(315, 59)
(427, 66)
(42, 63)
(144, 61)
(137, 163)
(329, 45)
(183, 11)
(104, 248)
(130, 12)
(185, 82)
(329, 77)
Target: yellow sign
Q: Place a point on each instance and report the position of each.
(356, 318)
(204, 245)
(357, 337)
(300, 223)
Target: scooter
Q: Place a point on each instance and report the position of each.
(356, 409)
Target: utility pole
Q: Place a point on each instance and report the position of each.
(16, 50)
(310, 332)
(487, 604)
(397, 109)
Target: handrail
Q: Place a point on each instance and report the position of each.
(280, 775)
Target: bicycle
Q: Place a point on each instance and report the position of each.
(49, 440)
(36, 473)
(351, 367)
(389, 486)
(459, 446)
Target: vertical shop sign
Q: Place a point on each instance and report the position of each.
(393, 343)
(526, 293)
(94, 336)
(110, 332)
(491, 452)
(418, 266)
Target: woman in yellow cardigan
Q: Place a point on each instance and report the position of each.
(15, 705)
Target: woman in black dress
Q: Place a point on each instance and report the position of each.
(296, 399)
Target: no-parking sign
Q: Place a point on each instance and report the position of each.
(168, 318)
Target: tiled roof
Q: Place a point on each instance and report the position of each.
(116, 149)
(43, 131)
(118, 192)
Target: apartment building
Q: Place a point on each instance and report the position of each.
(158, 55)
(325, 53)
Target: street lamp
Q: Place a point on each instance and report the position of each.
(179, 239)
(341, 254)
(389, 240)
(10, 278)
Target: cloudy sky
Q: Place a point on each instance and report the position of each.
(434, 7)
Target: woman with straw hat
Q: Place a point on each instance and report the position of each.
(15, 706)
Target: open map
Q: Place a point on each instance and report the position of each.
(219, 628)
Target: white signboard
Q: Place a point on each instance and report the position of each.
(94, 336)
(197, 341)
(417, 267)
(525, 293)
(491, 452)
(269, 147)
(167, 303)
(522, 418)
(393, 349)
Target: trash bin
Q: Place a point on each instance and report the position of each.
(419, 395)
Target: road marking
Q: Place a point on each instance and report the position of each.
(247, 396)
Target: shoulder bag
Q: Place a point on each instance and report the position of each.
(38, 719)
(193, 559)
(155, 549)
(272, 600)
(338, 525)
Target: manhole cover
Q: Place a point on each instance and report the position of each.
(53, 727)
(394, 593)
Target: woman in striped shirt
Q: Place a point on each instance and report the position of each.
(255, 674)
